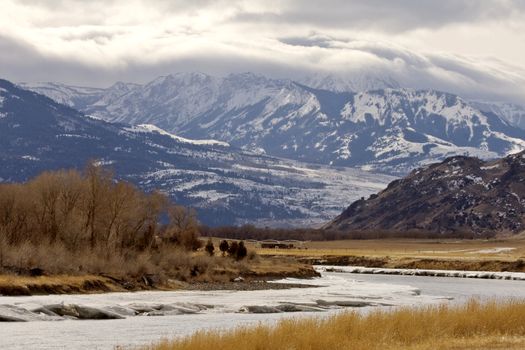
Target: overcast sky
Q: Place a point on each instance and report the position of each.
(465, 46)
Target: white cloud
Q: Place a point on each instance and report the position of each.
(463, 46)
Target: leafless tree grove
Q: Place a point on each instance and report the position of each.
(90, 211)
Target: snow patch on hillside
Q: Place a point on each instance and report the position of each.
(148, 128)
(2, 98)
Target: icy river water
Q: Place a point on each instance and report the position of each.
(150, 316)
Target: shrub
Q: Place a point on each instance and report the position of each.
(252, 255)
(232, 250)
(210, 248)
(241, 251)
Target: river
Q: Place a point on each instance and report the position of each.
(184, 312)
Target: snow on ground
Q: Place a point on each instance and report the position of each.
(514, 276)
(495, 250)
(498, 250)
(149, 128)
(315, 193)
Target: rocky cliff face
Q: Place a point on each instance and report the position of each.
(459, 195)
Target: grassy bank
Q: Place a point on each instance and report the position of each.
(472, 326)
(61, 284)
(201, 270)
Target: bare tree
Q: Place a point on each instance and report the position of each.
(183, 228)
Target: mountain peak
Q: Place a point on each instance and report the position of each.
(180, 80)
(358, 81)
(123, 86)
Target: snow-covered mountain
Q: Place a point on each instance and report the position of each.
(69, 95)
(511, 112)
(77, 96)
(226, 185)
(389, 130)
(364, 81)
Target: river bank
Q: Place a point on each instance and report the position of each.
(252, 275)
(471, 264)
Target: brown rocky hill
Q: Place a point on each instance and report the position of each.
(461, 195)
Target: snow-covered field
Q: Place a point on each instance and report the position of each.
(333, 292)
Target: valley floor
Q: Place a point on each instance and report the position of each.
(472, 255)
(469, 255)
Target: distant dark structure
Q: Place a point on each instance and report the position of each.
(277, 245)
(273, 244)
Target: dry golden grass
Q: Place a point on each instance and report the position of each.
(410, 248)
(471, 326)
(175, 274)
(25, 285)
(280, 267)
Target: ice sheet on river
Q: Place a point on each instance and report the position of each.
(514, 276)
(326, 293)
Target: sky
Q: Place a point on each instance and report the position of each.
(471, 47)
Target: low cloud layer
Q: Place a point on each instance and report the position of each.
(468, 47)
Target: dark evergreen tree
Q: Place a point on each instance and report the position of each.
(241, 251)
(224, 246)
(232, 251)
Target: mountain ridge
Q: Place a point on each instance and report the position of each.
(387, 130)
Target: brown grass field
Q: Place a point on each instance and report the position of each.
(473, 255)
(411, 248)
(472, 326)
(445, 254)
